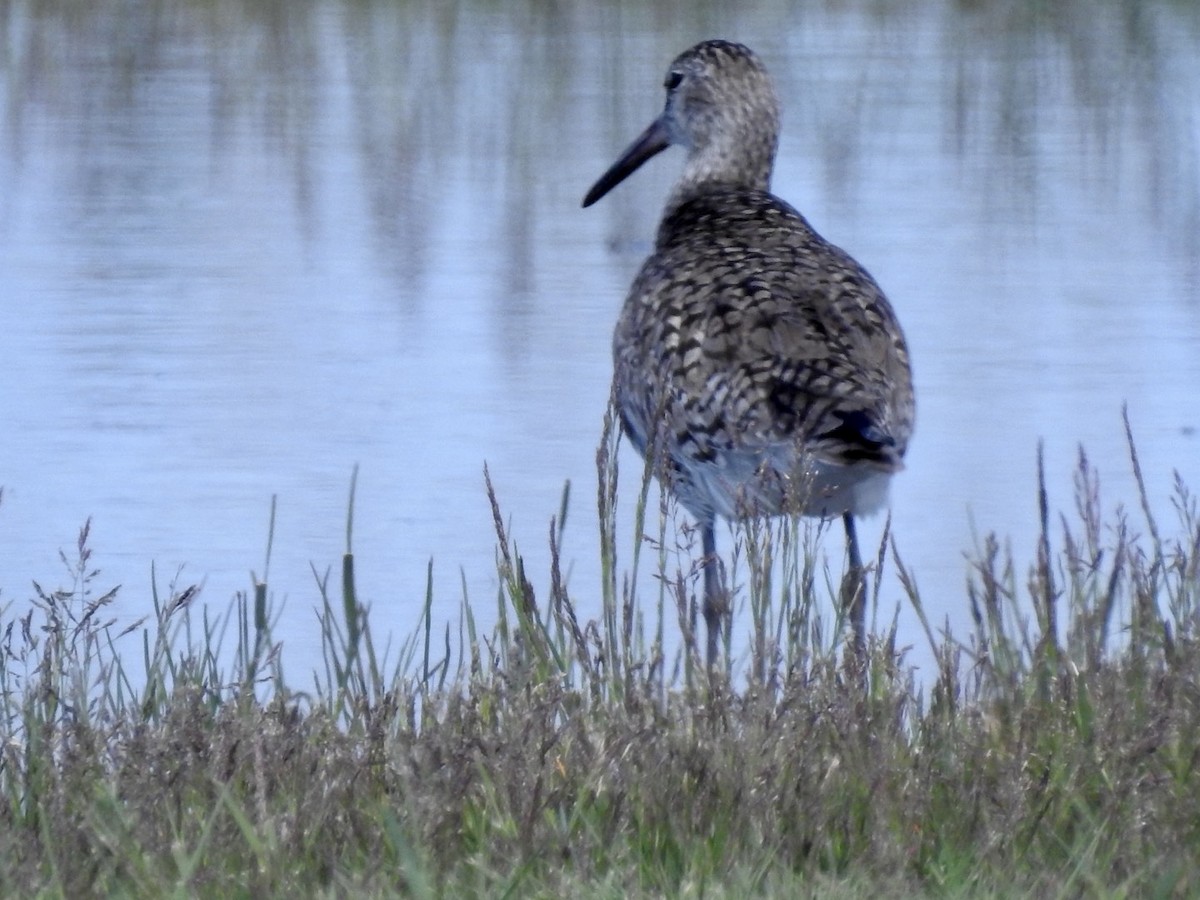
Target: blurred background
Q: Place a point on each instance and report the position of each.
(245, 246)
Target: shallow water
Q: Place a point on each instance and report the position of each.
(247, 246)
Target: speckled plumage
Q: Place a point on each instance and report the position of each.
(761, 364)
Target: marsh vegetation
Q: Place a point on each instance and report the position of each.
(1053, 752)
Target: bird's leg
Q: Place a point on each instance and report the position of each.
(715, 605)
(854, 588)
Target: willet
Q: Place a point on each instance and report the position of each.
(759, 368)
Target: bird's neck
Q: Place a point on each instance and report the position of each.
(719, 167)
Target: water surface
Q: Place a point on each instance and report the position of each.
(245, 247)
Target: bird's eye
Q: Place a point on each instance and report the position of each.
(672, 81)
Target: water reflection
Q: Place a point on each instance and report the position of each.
(246, 245)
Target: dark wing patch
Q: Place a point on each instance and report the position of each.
(861, 437)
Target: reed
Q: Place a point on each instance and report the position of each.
(1053, 752)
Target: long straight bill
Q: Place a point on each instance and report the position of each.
(652, 141)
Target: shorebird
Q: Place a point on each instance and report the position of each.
(758, 368)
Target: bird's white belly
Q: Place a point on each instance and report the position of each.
(738, 486)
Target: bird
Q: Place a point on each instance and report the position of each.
(759, 368)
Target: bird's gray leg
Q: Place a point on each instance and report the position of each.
(854, 587)
(714, 596)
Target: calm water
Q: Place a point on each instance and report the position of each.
(246, 246)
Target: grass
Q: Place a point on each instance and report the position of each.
(1053, 754)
